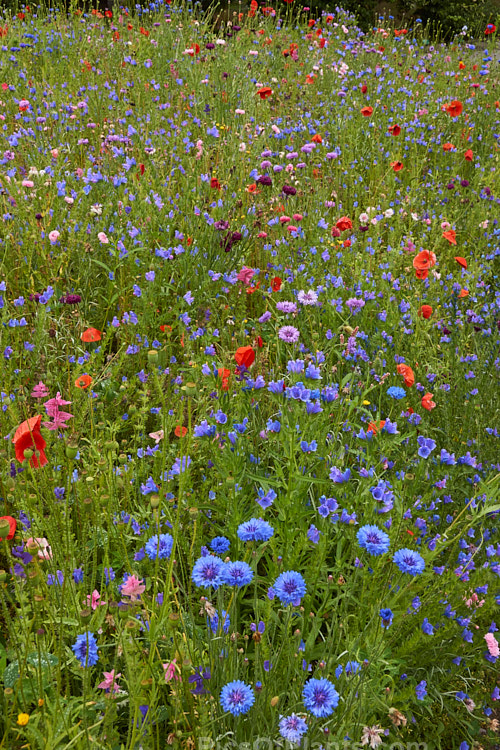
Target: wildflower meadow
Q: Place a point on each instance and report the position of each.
(249, 390)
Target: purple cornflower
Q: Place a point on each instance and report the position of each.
(289, 334)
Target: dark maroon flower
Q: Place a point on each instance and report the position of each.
(35, 297)
(289, 190)
(264, 179)
(210, 45)
(70, 299)
(465, 183)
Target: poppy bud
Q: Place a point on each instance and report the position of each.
(71, 451)
(3, 576)
(274, 701)
(28, 453)
(4, 528)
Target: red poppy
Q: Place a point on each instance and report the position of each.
(425, 311)
(461, 65)
(252, 189)
(108, 14)
(394, 130)
(317, 138)
(364, 88)
(12, 526)
(346, 243)
(469, 155)
(28, 437)
(373, 427)
(450, 235)
(311, 23)
(259, 341)
(343, 224)
(454, 108)
(180, 431)
(463, 293)
(264, 92)
(276, 284)
(214, 183)
(461, 261)
(143, 31)
(490, 29)
(367, 111)
(253, 7)
(448, 146)
(422, 262)
(83, 381)
(407, 373)
(245, 356)
(194, 50)
(225, 374)
(397, 165)
(427, 402)
(90, 335)
(166, 329)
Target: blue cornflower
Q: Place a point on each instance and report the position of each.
(255, 530)
(289, 587)
(373, 540)
(217, 624)
(409, 561)
(352, 667)
(395, 392)
(159, 547)
(78, 575)
(320, 697)
(85, 649)
(387, 615)
(237, 573)
(237, 698)
(208, 571)
(421, 690)
(292, 728)
(426, 446)
(220, 544)
(59, 492)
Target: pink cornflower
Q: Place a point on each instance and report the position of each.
(492, 644)
(133, 587)
(109, 681)
(246, 275)
(44, 549)
(93, 600)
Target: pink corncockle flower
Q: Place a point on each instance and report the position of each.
(445, 225)
(171, 671)
(492, 644)
(284, 219)
(133, 587)
(44, 549)
(28, 183)
(246, 275)
(93, 600)
(40, 390)
(109, 682)
(291, 228)
(54, 236)
(262, 235)
(60, 417)
(157, 436)
(297, 217)
(103, 238)
(473, 600)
